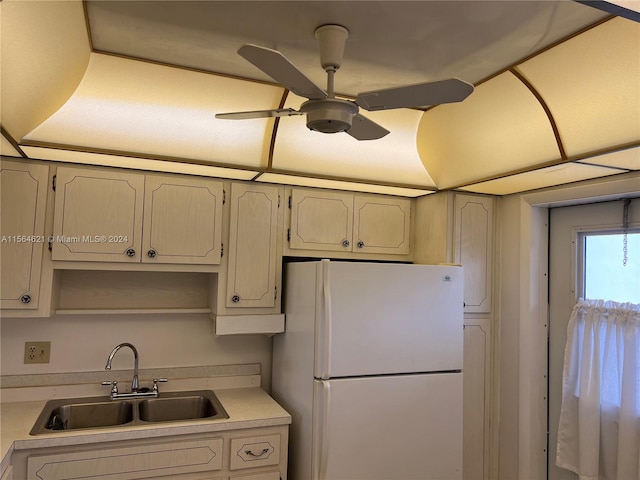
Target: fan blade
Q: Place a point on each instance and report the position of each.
(423, 94)
(364, 129)
(276, 65)
(281, 112)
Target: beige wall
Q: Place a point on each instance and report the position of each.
(81, 343)
(522, 339)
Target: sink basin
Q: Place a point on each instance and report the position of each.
(169, 409)
(100, 412)
(90, 415)
(79, 413)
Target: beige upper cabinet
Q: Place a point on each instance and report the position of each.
(348, 222)
(253, 236)
(382, 224)
(182, 220)
(24, 193)
(454, 227)
(321, 220)
(99, 217)
(473, 248)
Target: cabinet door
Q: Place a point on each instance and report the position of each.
(24, 192)
(253, 236)
(475, 398)
(128, 463)
(98, 215)
(382, 224)
(321, 220)
(473, 237)
(182, 220)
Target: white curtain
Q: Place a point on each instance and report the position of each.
(599, 431)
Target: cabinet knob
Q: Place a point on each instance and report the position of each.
(235, 298)
(25, 298)
(360, 244)
(345, 243)
(130, 252)
(152, 253)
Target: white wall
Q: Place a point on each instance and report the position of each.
(81, 343)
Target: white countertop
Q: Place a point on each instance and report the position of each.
(246, 407)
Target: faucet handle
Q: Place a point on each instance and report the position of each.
(156, 381)
(114, 386)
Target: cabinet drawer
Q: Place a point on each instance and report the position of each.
(145, 461)
(258, 476)
(254, 452)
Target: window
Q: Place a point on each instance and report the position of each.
(610, 266)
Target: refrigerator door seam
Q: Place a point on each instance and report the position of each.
(397, 374)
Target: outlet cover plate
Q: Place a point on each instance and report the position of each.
(37, 352)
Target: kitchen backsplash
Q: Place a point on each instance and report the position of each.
(82, 343)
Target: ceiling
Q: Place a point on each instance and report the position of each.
(136, 84)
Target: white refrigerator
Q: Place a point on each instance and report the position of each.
(370, 369)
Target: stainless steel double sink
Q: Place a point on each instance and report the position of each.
(101, 412)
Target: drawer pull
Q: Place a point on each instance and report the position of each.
(250, 453)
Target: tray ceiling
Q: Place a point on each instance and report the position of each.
(137, 84)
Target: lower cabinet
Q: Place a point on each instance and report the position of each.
(146, 461)
(250, 454)
(476, 398)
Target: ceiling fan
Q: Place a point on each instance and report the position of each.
(328, 114)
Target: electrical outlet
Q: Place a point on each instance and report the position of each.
(37, 352)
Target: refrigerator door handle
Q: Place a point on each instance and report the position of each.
(321, 448)
(324, 327)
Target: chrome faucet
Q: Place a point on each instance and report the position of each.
(134, 383)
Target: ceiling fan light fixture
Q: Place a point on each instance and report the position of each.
(330, 115)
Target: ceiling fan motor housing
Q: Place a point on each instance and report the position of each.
(330, 115)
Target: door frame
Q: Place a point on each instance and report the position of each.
(519, 440)
(567, 227)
